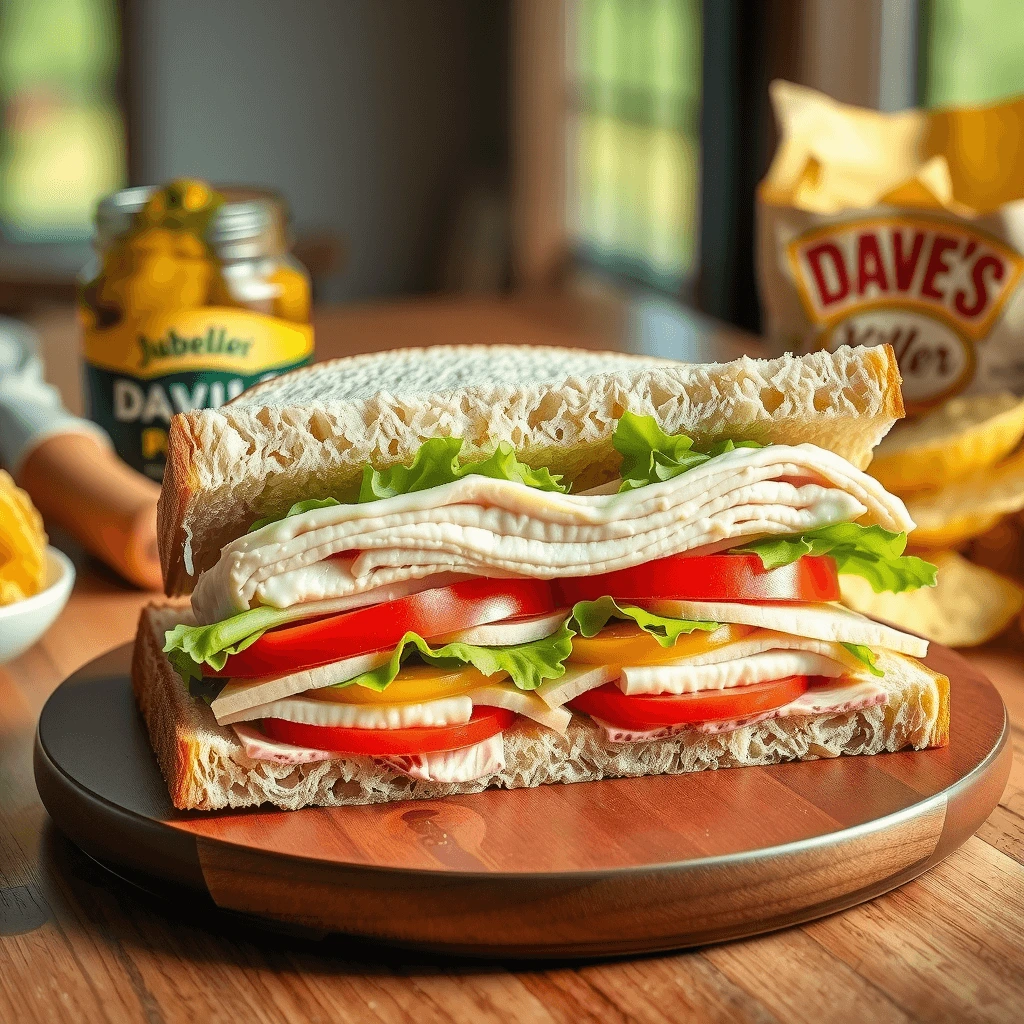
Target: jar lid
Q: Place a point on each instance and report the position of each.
(251, 222)
(114, 213)
(241, 231)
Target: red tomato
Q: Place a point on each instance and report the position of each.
(485, 723)
(709, 578)
(430, 613)
(642, 713)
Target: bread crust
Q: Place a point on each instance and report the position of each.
(206, 768)
(309, 433)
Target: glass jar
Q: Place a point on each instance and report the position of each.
(192, 297)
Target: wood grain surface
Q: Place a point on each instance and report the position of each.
(76, 945)
(620, 866)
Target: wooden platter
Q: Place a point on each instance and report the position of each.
(613, 867)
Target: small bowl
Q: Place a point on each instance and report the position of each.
(24, 622)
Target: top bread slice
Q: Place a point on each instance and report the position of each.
(309, 433)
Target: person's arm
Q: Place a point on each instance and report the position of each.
(69, 468)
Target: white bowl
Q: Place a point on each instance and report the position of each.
(24, 622)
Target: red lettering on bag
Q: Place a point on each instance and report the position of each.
(937, 265)
(939, 268)
(998, 269)
(906, 266)
(814, 257)
(869, 263)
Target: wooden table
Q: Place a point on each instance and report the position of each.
(76, 945)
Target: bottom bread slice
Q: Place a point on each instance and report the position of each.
(206, 767)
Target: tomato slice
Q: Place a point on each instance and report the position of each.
(645, 712)
(726, 577)
(485, 723)
(430, 613)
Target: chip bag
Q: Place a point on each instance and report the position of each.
(904, 228)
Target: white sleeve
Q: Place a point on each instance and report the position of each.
(30, 409)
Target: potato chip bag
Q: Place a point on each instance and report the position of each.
(905, 228)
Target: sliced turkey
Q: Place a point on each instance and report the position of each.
(499, 528)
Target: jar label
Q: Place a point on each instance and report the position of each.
(140, 373)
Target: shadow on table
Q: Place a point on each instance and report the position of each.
(181, 922)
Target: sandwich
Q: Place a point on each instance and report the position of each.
(429, 572)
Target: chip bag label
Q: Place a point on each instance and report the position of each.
(866, 236)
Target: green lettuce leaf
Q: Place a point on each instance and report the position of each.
(527, 665)
(649, 455)
(866, 655)
(296, 510)
(867, 551)
(437, 462)
(188, 648)
(728, 445)
(590, 617)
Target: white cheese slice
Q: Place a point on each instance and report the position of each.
(755, 668)
(241, 694)
(817, 621)
(840, 698)
(522, 702)
(507, 633)
(577, 679)
(444, 711)
(464, 764)
(303, 710)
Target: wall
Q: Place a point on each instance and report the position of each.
(860, 51)
(368, 114)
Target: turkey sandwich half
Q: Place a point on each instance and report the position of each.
(434, 571)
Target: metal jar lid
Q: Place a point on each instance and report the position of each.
(249, 224)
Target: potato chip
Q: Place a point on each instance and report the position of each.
(952, 515)
(22, 544)
(10, 592)
(969, 606)
(965, 435)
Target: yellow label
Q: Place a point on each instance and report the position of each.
(207, 338)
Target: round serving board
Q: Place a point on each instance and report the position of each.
(619, 866)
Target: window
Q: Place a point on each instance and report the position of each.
(970, 51)
(634, 72)
(62, 141)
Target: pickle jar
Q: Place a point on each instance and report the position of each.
(192, 296)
